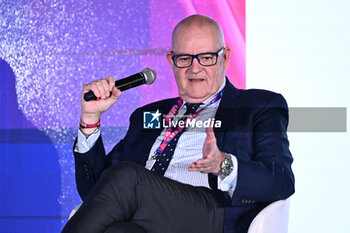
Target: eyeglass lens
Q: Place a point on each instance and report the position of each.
(204, 59)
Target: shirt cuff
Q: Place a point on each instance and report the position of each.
(85, 144)
(228, 183)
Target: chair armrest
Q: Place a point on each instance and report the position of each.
(272, 219)
(74, 211)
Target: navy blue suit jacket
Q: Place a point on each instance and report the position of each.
(254, 124)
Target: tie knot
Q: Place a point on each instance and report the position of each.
(191, 108)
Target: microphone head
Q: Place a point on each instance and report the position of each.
(150, 75)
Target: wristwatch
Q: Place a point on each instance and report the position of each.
(227, 165)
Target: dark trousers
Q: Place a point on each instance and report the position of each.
(131, 199)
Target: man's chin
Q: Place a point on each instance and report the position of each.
(194, 98)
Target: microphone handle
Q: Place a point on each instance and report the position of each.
(122, 84)
(131, 81)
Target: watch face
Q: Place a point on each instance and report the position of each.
(227, 166)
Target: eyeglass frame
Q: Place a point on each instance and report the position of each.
(217, 54)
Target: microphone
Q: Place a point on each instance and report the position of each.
(146, 76)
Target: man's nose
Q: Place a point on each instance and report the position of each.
(196, 67)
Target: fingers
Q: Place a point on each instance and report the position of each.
(204, 162)
(212, 156)
(114, 92)
(205, 165)
(201, 163)
(101, 88)
(111, 82)
(104, 85)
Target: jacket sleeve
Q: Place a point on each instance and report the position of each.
(90, 165)
(88, 168)
(267, 175)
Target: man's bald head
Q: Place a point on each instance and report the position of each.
(199, 21)
(197, 39)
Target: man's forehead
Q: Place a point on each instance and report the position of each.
(196, 29)
(198, 39)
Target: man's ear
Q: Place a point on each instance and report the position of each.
(226, 56)
(168, 57)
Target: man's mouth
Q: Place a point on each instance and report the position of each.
(196, 80)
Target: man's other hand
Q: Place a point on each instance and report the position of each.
(212, 156)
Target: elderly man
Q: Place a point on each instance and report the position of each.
(183, 179)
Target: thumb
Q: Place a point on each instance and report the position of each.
(116, 93)
(210, 142)
(210, 133)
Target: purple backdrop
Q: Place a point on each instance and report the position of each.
(48, 50)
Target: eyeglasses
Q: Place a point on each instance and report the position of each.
(205, 59)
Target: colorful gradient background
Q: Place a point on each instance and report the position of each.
(49, 49)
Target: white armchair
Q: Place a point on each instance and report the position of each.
(74, 210)
(272, 219)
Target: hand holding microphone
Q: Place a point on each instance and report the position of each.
(107, 92)
(146, 76)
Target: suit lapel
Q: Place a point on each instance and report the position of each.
(223, 113)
